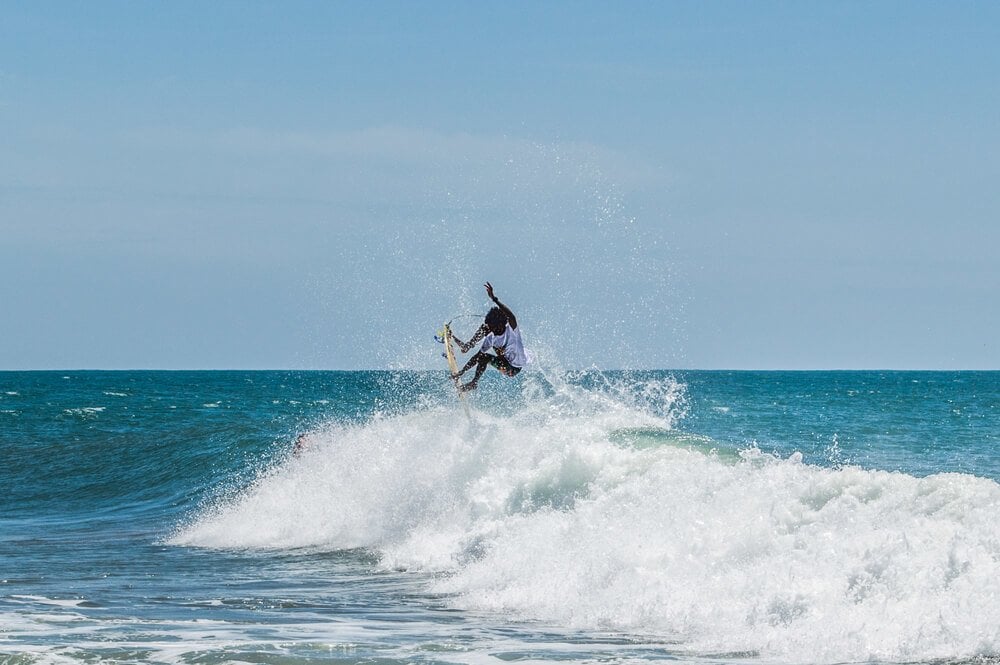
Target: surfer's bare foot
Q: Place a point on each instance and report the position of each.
(471, 385)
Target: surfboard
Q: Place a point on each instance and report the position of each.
(449, 353)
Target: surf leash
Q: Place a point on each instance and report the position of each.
(439, 338)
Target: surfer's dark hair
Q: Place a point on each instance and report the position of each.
(495, 318)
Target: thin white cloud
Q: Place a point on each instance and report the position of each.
(432, 154)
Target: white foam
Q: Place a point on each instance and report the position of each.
(547, 514)
(85, 411)
(52, 640)
(42, 600)
(768, 556)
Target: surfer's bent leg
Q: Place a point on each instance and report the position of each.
(481, 361)
(472, 361)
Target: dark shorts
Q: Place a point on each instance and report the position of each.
(504, 366)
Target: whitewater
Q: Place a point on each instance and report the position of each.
(590, 517)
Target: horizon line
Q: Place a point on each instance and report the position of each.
(583, 369)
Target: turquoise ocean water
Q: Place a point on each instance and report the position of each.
(723, 517)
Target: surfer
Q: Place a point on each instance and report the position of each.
(500, 333)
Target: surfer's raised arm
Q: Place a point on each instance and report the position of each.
(506, 310)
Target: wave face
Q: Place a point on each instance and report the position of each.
(585, 506)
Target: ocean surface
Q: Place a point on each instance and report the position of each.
(612, 517)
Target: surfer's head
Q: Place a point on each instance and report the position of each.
(496, 321)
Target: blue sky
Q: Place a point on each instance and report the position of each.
(663, 184)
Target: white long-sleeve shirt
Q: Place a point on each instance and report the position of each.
(508, 345)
